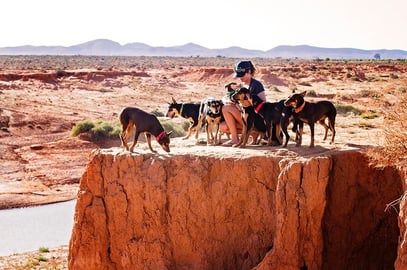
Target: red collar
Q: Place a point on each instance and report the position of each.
(299, 109)
(160, 136)
(258, 108)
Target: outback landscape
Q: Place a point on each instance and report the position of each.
(42, 98)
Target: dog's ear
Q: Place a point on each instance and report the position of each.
(173, 100)
(244, 90)
(250, 99)
(303, 93)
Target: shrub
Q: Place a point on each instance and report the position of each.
(275, 89)
(43, 250)
(98, 129)
(176, 128)
(394, 151)
(61, 73)
(104, 130)
(402, 89)
(305, 84)
(41, 258)
(82, 127)
(346, 109)
(157, 113)
(369, 115)
(312, 93)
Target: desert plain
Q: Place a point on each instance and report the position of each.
(43, 97)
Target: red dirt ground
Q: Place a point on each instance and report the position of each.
(41, 98)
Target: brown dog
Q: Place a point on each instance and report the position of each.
(145, 123)
(253, 123)
(213, 117)
(311, 113)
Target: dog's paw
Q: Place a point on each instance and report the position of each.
(275, 143)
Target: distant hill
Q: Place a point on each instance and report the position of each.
(112, 48)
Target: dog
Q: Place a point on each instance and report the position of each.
(310, 113)
(144, 122)
(231, 89)
(213, 117)
(253, 123)
(286, 118)
(278, 117)
(190, 111)
(272, 113)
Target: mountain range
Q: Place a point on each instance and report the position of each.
(106, 47)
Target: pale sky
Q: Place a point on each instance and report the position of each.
(215, 24)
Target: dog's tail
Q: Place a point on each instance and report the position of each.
(124, 121)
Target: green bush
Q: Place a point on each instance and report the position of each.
(82, 127)
(41, 258)
(369, 115)
(104, 130)
(43, 249)
(99, 129)
(176, 128)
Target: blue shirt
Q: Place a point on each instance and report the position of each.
(255, 87)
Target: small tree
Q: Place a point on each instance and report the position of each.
(377, 56)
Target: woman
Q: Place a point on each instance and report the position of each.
(233, 124)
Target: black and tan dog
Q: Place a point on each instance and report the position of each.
(272, 113)
(311, 113)
(213, 117)
(253, 123)
(287, 116)
(144, 122)
(190, 111)
(231, 89)
(277, 117)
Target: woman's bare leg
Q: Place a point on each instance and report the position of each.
(233, 122)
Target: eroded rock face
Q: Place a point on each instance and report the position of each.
(401, 262)
(342, 223)
(208, 212)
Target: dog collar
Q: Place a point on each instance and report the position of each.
(258, 108)
(299, 109)
(160, 136)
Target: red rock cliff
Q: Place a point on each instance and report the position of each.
(195, 211)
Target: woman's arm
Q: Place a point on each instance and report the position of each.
(262, 95)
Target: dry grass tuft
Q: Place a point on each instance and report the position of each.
(394, 150)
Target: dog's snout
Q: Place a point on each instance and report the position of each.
(166, 148)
